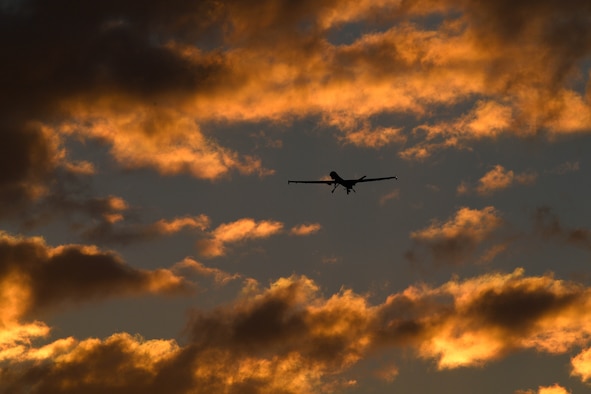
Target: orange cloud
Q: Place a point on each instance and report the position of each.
(158, 109)
(497, 179)
(581, 365)
(302, 343)
(200, 222)
(69, 365)
(478, 320)
(190, 265)
(305, 229)
(233, 232)
(165, 139)
(289, 336)
(554, 389)
(458, 238)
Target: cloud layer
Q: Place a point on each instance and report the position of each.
(289, 337)
(148, 81)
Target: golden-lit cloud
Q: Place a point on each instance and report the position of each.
(554, 389)
(498, 178)
(289, 336)
(235, 232)
(158, 83)
(169, 141)
(172, 226)
(305, 229)
(218, 240)
(285, 338)
(71, 366)
(158, 108)
(471, 322)
(581, 365)
(189, 265)
(457, 239)
(374, 138)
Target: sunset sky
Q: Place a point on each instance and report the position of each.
(150, 242)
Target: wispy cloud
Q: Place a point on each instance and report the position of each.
(390, 196)
(217, 241)
(548, 225)
(117, 231)
(190, 266)
(234, 232)
(566, 167)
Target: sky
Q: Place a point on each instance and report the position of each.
(150, 241)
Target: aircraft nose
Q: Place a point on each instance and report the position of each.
(333, 175)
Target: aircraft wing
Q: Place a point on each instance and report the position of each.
(327, 182)
(374, 179)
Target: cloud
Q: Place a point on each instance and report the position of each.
(305, 229)
(290, 337)
(375, 138)
(27, 156)
(581, 365)
(152, 82)
(481, 319)
(302, 340)
(111, 231)
(167, 140)
(189, 265)
(390, 196)
(548, 225)
(554, 389)
(457, 239)
(566, 167)
(234, 232)
(35, 276)
(72, 366)
(498, 179)
(217, 241)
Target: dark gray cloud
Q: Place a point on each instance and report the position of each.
(548, 225)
